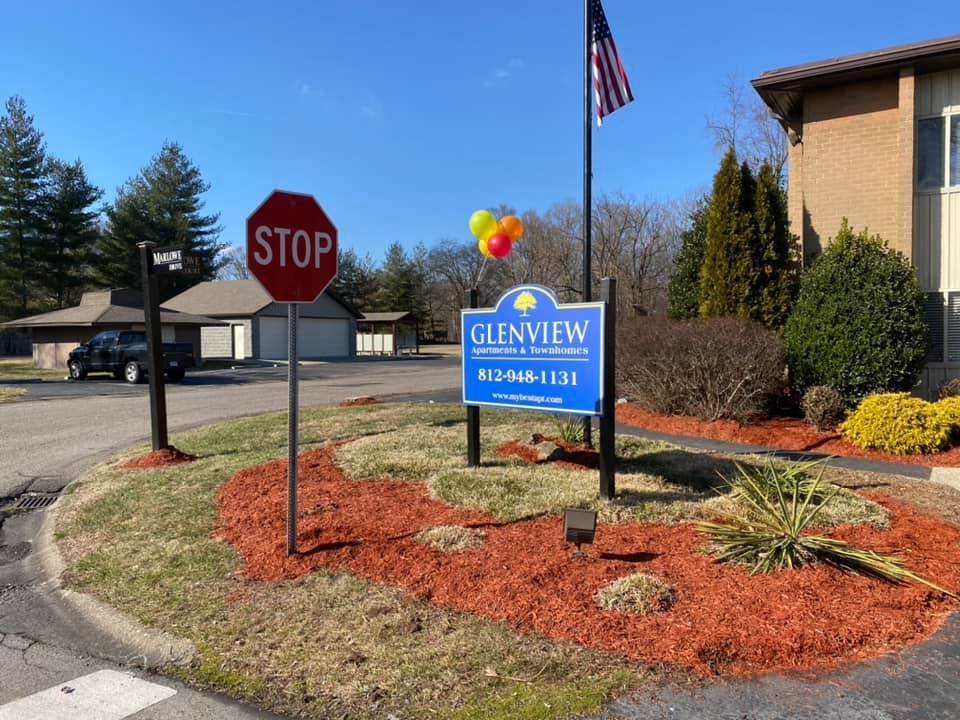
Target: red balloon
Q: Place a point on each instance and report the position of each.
(500, 245)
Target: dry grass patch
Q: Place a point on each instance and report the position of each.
(21, 368)
(640, 594)
(451, 538)
(7, 394)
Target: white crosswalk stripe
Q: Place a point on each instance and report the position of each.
(103, 695)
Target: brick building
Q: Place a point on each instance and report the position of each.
(875, 137)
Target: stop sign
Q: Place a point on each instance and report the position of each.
(292, 247)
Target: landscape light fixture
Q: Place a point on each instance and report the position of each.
(579, 527)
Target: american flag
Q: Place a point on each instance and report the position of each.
(610, 83)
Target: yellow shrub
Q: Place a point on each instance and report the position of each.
(949, 409)
(898, 423)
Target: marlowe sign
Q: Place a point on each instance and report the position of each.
(533, 353)
(292, 247)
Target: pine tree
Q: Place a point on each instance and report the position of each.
(777, 252)
(397, 282)
(21, 199)
(161, 204)
(728, 279)
(356, 280)
(71, 229)
(683, 293)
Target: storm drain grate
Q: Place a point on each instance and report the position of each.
(35, 502)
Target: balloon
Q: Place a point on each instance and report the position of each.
(511, 226)
(484, 248)
(500, 245)
(483, 224)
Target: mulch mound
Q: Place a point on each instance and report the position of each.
(359, 401)
(575, 457)
(724, 622)
(777, 432)
(158, 459)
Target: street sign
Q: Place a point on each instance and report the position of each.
(531, 352)
(292, 251)
(292, 247)
(174, 260)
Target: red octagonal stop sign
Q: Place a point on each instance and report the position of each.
(292, 247)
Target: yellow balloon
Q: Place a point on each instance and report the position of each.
(483, 224)
(484, 250)
(512, 227)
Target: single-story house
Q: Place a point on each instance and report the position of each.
(388, 333)
(875, 137)
(55, 334)
(256, 326)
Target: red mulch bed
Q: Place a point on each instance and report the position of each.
(777, 432)
(724, 622)
(158, 459)
(356, 402)
(576, 457)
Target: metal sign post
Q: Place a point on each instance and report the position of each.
(473, 412)
(608, 418)
(151, 310)
(293, 416)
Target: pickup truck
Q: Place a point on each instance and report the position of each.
(123, 353)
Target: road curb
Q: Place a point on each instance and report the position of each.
(154, 648)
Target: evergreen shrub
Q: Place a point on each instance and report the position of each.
(711, 368)
(858, 323)
(898, 423)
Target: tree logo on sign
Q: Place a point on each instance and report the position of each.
(525, 301)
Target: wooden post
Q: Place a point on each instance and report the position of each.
(151, 312)
(608, 423)
(473, 412)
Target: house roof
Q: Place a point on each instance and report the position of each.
(232, 298)
(782, 89)
(387, 317)
(92, 315)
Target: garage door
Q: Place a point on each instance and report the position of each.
(316, 337)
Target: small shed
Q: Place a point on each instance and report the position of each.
(55, 334)
(388, 333)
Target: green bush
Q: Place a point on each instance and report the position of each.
(823, 407)
(898, 423)
(858, 323)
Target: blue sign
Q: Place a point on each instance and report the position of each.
(532, 353)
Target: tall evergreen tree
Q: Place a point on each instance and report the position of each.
(729, 271)
(777, 252)
(683, 292)
(356, 280)
(21, 201)
(71, 228)
(397, 285)
(161, 204)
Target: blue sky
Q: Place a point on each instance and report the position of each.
(404, 117)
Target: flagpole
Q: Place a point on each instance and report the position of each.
(587, 169)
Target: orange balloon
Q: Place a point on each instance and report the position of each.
(511, 226)
(484, 250)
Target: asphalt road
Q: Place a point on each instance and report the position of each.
(46, 436)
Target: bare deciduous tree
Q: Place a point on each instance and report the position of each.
(234, 265)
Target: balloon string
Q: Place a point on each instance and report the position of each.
(476, 283)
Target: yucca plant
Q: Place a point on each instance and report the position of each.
(569, 428)
(782, 503)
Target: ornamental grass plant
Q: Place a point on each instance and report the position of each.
(781, 506)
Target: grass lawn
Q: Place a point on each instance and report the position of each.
(329, 645)
(21, 368)
(7, 394)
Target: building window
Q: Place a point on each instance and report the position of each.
(955, 150)
(930, 154)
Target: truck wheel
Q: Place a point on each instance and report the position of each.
(175, 375)
(132, 373)
(77, 370)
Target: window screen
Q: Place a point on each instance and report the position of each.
(930, 154)
(955, 150)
